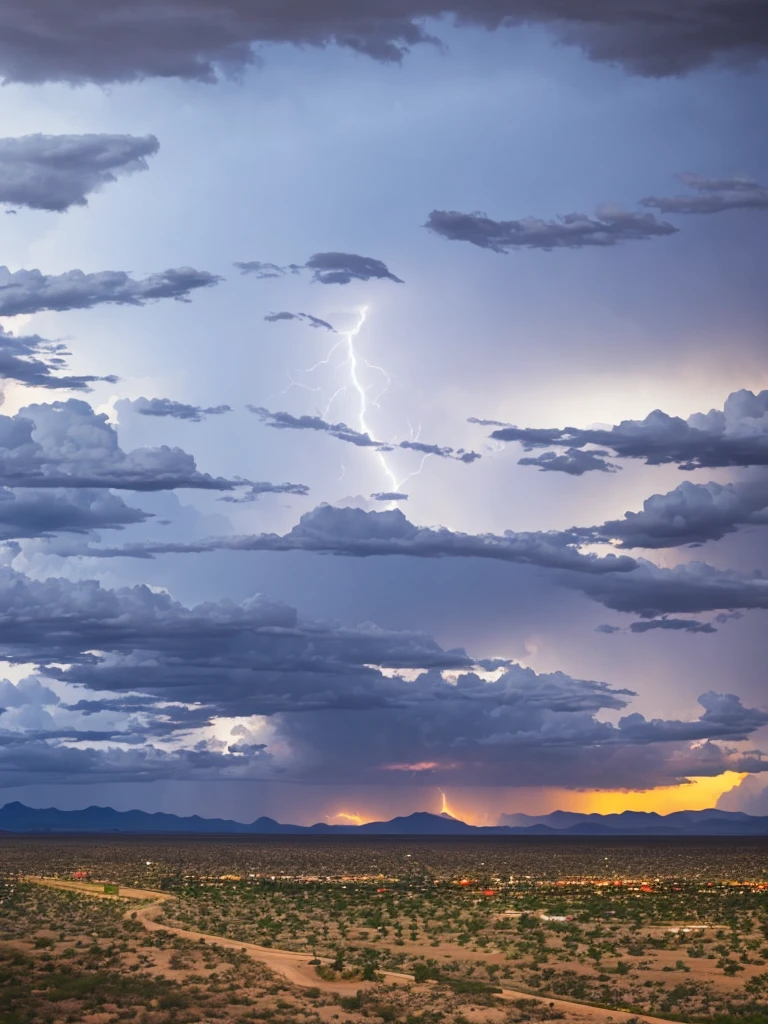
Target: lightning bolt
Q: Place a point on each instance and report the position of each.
(354, 362)
(350, 338)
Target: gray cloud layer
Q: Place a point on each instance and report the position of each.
(313, 321)
(28, 513)
(55, 172)
(261, 658)
(712, 195)
(162, 407)
(67, 444)
(326, 268)
(35, 362)
(689, 514)
(355, 533)
(71, 41)
(611, 225)
(737, 435)
(286, 421)
(30, 291)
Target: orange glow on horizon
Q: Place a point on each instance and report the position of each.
(701, 793)
(351, 816)
(484, 805)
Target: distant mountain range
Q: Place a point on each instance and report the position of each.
(17, 818)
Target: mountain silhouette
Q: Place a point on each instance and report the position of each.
(17, 818)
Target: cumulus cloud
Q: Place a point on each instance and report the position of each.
(25, 513)
(313, 321)
(55, 172)
(35, 362)
(652, 592)
(611, 225)
(325, 268)
(167, 407)
(736, 435)
(524, 729)
(342, 432)
(31, 291)
(69, 41)
(163, 669)
(690, 514)
(353, 532)
(67, 444)
(712, 195)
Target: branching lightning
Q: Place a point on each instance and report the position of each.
(353, 363)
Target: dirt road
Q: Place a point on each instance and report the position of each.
(295, 966)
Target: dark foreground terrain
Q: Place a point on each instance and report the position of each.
(418, 931)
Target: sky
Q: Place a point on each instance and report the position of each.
(384, 412)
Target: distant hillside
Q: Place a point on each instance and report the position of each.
(17, 818)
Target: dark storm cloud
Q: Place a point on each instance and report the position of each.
(167, 407)
(652, 592)
(610, 226)
(313, 321)
(55, 172)
(26, 513)
(352, 532)
(343, 267)
(574, 461)
(689, 514)
(326, 268)
(712, 195)
(73, 40)
(545, 731)
(35, 362)
(685, 625)
(737, 435)
(389, 496)
(342, 432)
(34, 761)
(67, 444)
(30, 291)
(182, 651)
(261, 658)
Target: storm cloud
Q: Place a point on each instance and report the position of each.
(712, 195)
(352, 532)
(67, 444)
(31, 291)
(35, 362)
(342, 432)
(55, 172)
(26, 513)
(325, 268)
(736, 435)
(71, 40)
(267, 660)
(690, 514)
(610, 225)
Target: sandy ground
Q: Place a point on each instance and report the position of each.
(295, 967)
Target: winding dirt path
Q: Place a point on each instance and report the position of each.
(295, 967)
